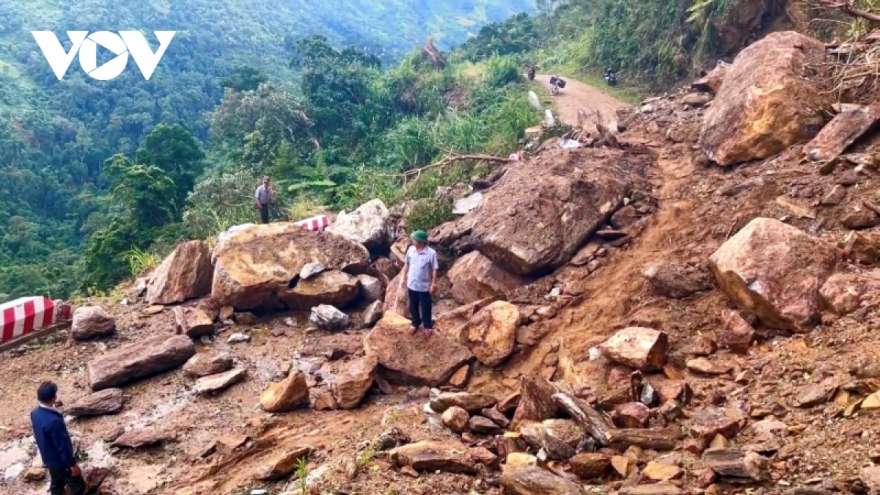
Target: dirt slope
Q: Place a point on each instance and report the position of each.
(579, 96)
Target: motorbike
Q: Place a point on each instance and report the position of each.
(555, 85)
(610, 77)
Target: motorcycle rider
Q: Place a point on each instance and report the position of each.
(532, 69)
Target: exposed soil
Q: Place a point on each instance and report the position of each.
(577, 96)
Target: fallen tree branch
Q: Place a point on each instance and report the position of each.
(449, 160)
(847, 7)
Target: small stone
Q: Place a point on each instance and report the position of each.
(835, 196)
(460, 378)
(520, 459)
(622, 465)
(496, 416)
(455, 418)
(108, 401)
(657, 471)
(589, 465)
(703, 346)
(208, 364)
(243, 318)
(238, 338)
(479, 424)
(287, 395)
(35, 474)
(631, 415)
(285, 464)
(707, 367)
(213, 384)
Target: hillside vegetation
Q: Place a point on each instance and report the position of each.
(55, 136)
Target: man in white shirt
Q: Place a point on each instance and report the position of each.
(420, 268)
(262, 198)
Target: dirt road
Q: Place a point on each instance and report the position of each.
(577, 95)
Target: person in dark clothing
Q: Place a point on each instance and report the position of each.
(262, 197)
(54, 443)
(420, 268)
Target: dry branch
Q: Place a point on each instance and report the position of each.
(848, 8)
(449, 160)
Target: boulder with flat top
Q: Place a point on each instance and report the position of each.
(475, 277)
(367, 225)
(140, 360)
(413, 359)
(331, 287)
(255, 265)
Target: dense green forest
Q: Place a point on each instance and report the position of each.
(78, 157)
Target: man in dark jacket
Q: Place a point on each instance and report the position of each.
(56, 449)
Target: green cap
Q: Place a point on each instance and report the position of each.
(420, 235)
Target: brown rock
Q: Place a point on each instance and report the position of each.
(589, 465)
(226, 313)
(641, 348)
(860, 218)
(413, 359)
(631, 415)
(92, 322)
(711, 83)
(185, 274)
(496, 416)
(863, 247)
(491, 333)
(143, 438)
(559, 438)
(483, 456)
(536, 481)
(844, 293)
(456, 419)
(870, 476)
(658, 471)
(696, 100)
(193, 322)
(766, 104)
(208, 364)
(843, 130)
(472, 403)
(536, 402)
(479, 424)
(835, 196)
(514, 451)
(817, 393)
(737, 464)
(775, 271)
(704, 366)
(509, 403)
(353, 381)
(561, 200)
(255, 264)
(35, 474)
(213, 384)
(322, 400)
(736, 334)
(108, 401)
(139, 360)
(460, 378)
(677, 279)
(330, 287)
(371, 288)
(475, 277)
(622, 465)
(714, 421)
(284, 465)
(287, 395)
(664, 488)
(676, 390)
(229, 443)
(450, 457)
(397, 297)
(703, 346)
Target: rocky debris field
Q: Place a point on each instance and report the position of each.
(686, 306)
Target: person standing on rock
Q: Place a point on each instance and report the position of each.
(420, 267)
(55, 445)
(262, 197)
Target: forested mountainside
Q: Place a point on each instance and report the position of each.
(56, 135)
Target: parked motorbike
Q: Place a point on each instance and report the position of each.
(555, 85)
(610, 77)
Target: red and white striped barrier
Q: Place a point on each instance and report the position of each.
(315, 224)
(27, 315)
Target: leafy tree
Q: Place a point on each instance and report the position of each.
(244, 79)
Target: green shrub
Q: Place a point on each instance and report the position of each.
(429, 213)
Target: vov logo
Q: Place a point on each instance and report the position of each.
(122, 44)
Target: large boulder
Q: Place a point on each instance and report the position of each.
(538, 215)
(331, 287)
(775, 271)
(91, 322)
(475, 277)
(397, 297)
(844, 293)
(491, 333)
(367, 225)
(766, 103)
(372, 289)
(146, 358)
(253, 266)
(413, 359)
(185, 274)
